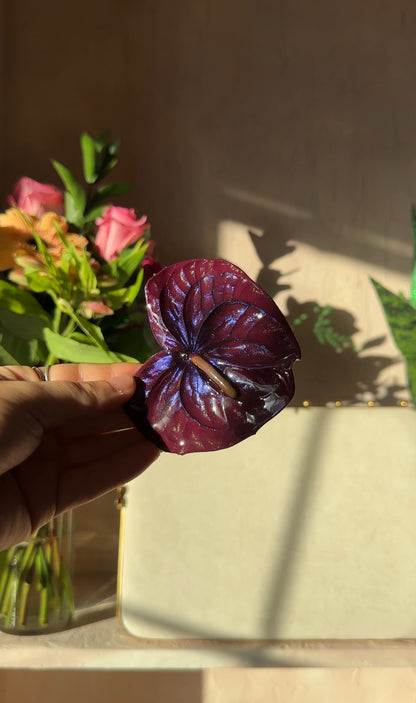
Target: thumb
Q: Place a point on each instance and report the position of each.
(28, 410)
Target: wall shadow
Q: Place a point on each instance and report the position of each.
(332, 367)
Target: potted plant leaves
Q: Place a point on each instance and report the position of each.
(400, 312)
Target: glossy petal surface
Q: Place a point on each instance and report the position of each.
(212, 309)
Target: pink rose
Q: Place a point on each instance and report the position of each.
(36, 198)
(116, 230)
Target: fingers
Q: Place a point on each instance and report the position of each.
(120, 463)
(15, 520)
(70, 372)
(113, 421)
(55, 403)
(88, 449)
(91, 372)
(28, 410)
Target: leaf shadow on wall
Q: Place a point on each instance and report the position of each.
(332, 368)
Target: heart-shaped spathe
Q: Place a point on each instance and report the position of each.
(225, 367)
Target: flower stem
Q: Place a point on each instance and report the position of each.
(57, 320)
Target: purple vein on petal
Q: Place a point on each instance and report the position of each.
(195, 394)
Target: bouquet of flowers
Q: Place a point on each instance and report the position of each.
(72, 273)
(74, 267)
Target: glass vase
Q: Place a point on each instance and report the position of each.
(36, 593)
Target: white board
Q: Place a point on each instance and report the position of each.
(305, 531)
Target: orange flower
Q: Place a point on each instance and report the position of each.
(46, 228)
(16, 233)
(10, 243)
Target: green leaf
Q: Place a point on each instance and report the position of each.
(87, 276)
(127, 263)
(89, 328)
(413, 274)
(66, 261)
(27, 352)
(92, 215)
(22, 326)
(138, 342)
(104, 192)
(72, 212)
(411, 376)
(21, 335)
(20, 301)
(88, 149)
(114, 147)
(111, 190)
(41, 283)
(77, 352)
(401, 317)
(6, 359)
(82, 338)
(106, 167)
(107, 159)
(102, 140)
(72, 186)
(125, 296)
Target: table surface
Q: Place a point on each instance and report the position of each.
(104, 644)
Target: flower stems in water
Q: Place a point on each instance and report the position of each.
(35, 583)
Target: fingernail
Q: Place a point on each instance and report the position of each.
(125, 385)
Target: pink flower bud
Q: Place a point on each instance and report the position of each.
(89, 308)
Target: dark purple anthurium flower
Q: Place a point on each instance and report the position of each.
(225, 365)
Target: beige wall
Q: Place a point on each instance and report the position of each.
(295, 118)
(300, 103)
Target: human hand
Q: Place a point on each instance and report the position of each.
(64, 442)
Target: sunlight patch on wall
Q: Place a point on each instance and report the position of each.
(235, 244)
(323, 277)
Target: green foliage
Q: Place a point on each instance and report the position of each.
(88, 148)
(401, 317)
(20, 301)
(99, 157)
(413, 274)
(75, 198)
(22, 324)
(76, 352)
